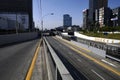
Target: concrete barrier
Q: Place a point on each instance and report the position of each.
(92, 49)
(14, 38)
(98, 39)
(60, 68)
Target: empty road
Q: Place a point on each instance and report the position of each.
(81, 67)
(15, 60)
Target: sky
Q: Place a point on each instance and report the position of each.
(60, 7)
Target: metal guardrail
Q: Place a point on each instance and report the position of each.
(113, 58)
(64, 73)
(50, 76)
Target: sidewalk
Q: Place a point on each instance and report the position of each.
(37, 72)
(40, 71)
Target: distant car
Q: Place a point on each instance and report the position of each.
(52, 33)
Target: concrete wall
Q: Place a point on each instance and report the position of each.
(92, 49)
(14, 38)
(98, 39)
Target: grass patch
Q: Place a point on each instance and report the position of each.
(109, 36)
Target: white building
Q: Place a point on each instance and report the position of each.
(104, 16)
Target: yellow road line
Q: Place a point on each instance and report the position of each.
(30, 71)
(74, 45)
(96, 61)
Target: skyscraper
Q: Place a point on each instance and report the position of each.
(85, 18)
(105, 14)
(18, 7)
(116, 16)
(67, 20)
(95, 5)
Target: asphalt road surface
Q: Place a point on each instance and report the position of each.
(80, 67)
(15, 60)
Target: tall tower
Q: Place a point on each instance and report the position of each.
(85, 18)
(102, 3)
(67, 20)
(95, 5)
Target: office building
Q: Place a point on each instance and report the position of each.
(7, 23)
(95, 5)
(22, 19)
(116, 16)
(67, 20)
(3, 23)
(18, 7)
(105, 16)
(85, 19)
(97, 15)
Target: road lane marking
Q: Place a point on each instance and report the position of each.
(97, 74)
(74, 45)
(96, 61)
(30, 71)
(109, 63)
(93, 59)
(79, 60)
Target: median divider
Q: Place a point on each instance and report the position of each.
(60, 68)
(30, 71)
(49, 71)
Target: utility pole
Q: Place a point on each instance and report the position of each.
(16, 25)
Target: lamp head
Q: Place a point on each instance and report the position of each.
(52, 13)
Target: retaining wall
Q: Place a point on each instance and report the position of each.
(14, 38)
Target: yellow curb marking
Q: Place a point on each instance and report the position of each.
(30, 71)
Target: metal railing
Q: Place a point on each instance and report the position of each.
(61, 71)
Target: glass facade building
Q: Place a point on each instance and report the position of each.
(116, 16)
(85, 19)
(18, 7)
(67, 20)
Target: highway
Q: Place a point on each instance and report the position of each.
(15, 60)
(80, 65)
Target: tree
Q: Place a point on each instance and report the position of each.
(97, 26)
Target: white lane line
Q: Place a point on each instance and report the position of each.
(97, 74)
(108, 63)
(79, 60)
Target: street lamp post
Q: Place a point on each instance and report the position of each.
(42, 23)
